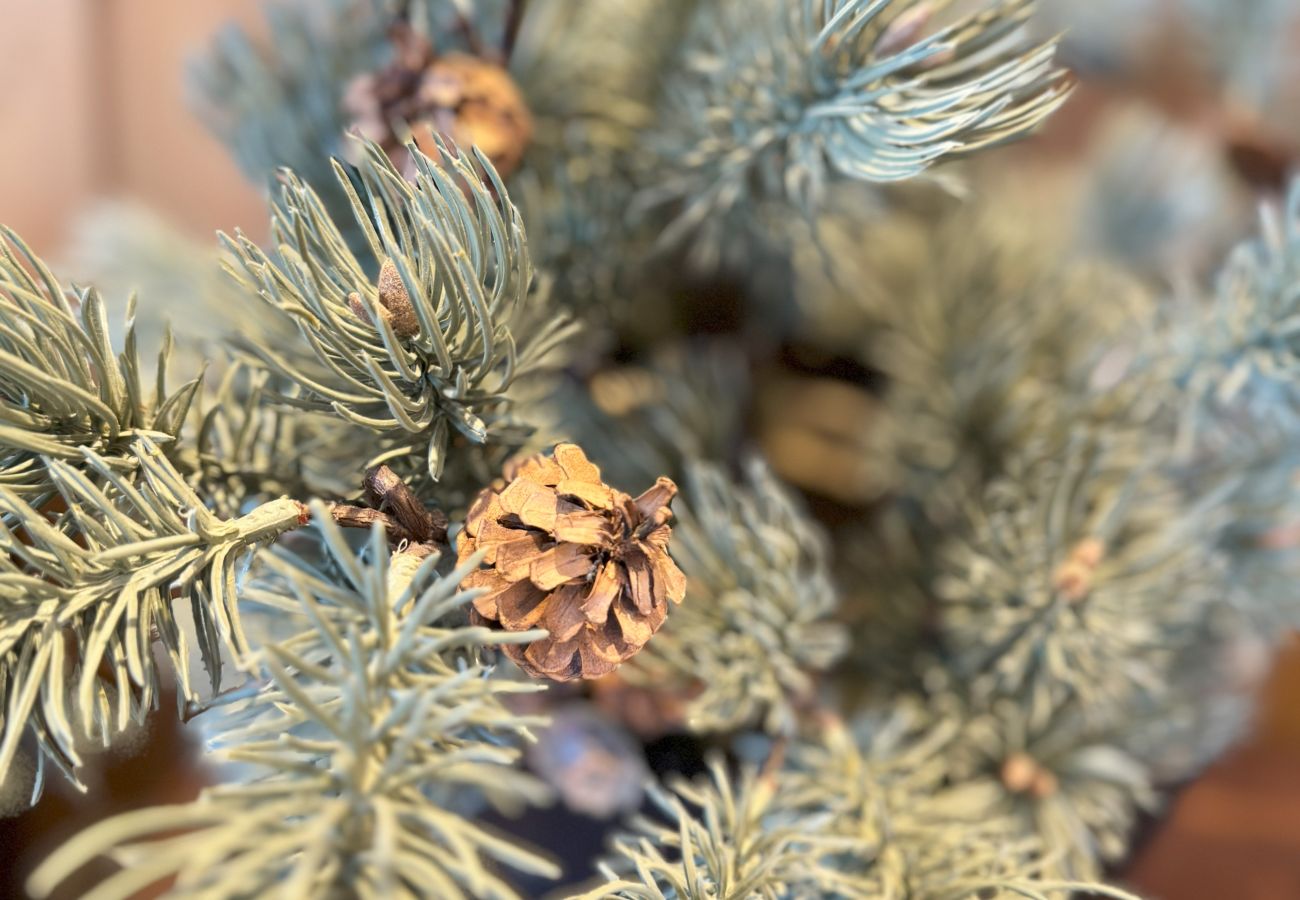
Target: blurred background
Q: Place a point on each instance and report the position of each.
(94, 109)
(97, 129)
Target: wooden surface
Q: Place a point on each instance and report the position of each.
(1235, 833)
(47, 117)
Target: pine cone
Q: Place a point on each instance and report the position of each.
(566, 552)
(471, 100)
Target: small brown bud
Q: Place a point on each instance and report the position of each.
(395, 299)
(1019, 771)
(1073, 580)
(1089, 552)
(362, 312)
(1022, 774)
(1074, 577)
(395, 305)
(904, 31)
(1045, 784)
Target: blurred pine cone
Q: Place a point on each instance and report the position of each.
(469, 99)
(566, 552)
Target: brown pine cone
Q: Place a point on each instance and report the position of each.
(566, 552)
(471, 100)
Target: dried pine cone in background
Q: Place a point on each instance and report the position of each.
(597, 768)
(825, 436)
(565, 552)
(469, 99)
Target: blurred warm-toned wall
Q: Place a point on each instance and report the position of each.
(92, 105)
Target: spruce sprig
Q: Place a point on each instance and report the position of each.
(720, 837)
(775, 99)
(1235, 361)
(1076, 579)
(362, 730)
(63, 387)
(458, 245)
(87, 593)
(759, 628)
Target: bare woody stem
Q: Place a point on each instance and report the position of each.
(514, 19)
(391, 503)
(384, 491)
(346, 515)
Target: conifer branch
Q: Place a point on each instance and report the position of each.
(63, 387)
(848, 815)
(365, 726)
(774, 99)
(458, 256)
(1236, 361)
(887, 788)
(247, 449)
(719, 838)
(87, 594)
(1077, 579)
(758, 628)
(1074, 783)
(1085, 520)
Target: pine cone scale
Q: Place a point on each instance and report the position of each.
(518, 606)
(597, 496)
(525, 609)
(654, 502)
(559, 565)
(556, 658)
(604, 589)
(564, 617)
(575, 465)
(667, 573)
(637, 566)
(534, 504)
(515, 558)
(637, 628)
(581, 526)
